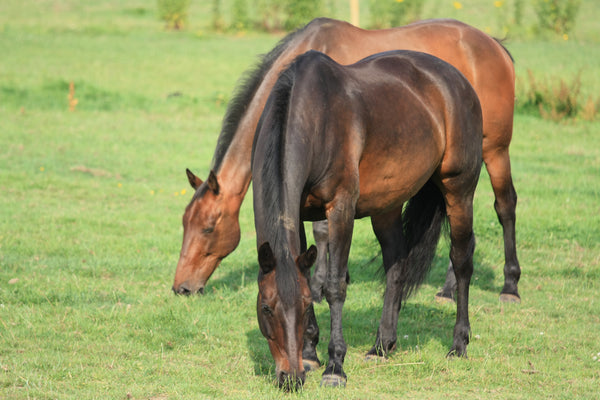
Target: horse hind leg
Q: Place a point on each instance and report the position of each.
(310, 360)
(448, 291)
(389, 232)
(320, 233)
(498, 166)
(462, 246)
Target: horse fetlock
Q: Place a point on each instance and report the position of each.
(459, 347)
(310, 364)
(381, 349)
(442, 297)
(310, 359)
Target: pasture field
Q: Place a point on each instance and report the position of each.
(90, 228)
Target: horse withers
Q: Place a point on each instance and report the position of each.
(210, 222)
(343, 142)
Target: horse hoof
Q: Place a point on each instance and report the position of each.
(457, 354)
(333, 381)
(311, 365)
(509, 298)
(441, 299)
(375, 358)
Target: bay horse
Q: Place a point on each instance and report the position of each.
(210, 221)
(343, 142)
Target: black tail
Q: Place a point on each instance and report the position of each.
(422, 219)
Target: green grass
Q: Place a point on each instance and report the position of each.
(90, 230)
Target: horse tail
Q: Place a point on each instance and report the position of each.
(423, 218)
(501, 43)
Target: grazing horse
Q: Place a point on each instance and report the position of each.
(345, 142)
(210, 222)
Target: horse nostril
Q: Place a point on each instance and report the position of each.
(182, 289)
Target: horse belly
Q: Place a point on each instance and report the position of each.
(389, 194)
(387, 184)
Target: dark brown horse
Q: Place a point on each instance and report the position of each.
(211, 226)
(345, 142)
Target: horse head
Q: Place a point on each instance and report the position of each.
(282, 313)
(211, 231)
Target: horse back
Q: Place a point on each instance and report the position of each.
(388, 119)
(485, 63)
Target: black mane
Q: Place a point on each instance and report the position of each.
(243, 94)
(271, 178)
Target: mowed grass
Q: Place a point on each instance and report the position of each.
(90, 231)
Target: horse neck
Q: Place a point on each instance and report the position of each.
(234, 173)
(235, 168)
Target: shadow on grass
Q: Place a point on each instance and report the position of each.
(419, 324)
(364, 270)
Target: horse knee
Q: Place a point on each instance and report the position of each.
(335, 290)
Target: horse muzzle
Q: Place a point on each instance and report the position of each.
(186, 290)
(290, 382)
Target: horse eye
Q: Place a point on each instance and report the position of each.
(267, 310)
(208, 230)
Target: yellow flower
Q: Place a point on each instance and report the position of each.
(42, 169)
(399, 1)
(498, 3)
(457, 5)
(152, 192)
(183, 192)
(119, 184)
(566, 37)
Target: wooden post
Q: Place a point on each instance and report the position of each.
(354, 13)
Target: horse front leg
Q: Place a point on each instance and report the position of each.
(316, 281)
(340, 216)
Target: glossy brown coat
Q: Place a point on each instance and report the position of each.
(482, 60)
(345, 142)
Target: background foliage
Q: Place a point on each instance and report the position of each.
(173, 12)
(90, 222)
(517, 17)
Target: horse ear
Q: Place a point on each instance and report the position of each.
(266, 259)
(193, 179)
(213, 184)
(307, 259)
